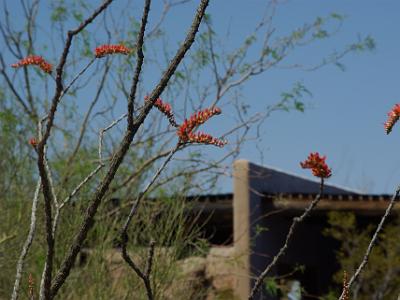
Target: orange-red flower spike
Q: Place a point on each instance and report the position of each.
(34, 60)
(195, 120)
(166, 109)
(186, 134)
(111, 49)
(204, 138)
(393, 117)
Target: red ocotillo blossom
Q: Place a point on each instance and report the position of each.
(104, 50)
(393, 117)
(186, 134)
(34, 60)
(195, 120)
(166, 109)
(204, 138)
(33, 142)
(317, 164)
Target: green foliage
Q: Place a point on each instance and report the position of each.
(100, 272)
(59, 13)
(260, 229)
(293, 99)
(380, 279)
(271, 287)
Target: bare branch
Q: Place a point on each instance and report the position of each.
(89, 111)
(139, 64)
(27, 244)
(151, 182)
(150, 256)
(146, 275)
(292, 228)
(14, 91)
(76, 78)
(104, 130)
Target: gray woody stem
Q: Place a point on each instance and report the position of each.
(292, 228)
(373, 240)
(27, 244)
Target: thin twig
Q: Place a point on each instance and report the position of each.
(150, 256)
(87, 115)
(149, 184)
(77, 77)
(18, 97)
(27, 244)
(292, 228)
(124, 232)
(81, 184)
(104, 130)
(146, 275)
(373, 240)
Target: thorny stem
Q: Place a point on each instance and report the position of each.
(144, 276)
(292, 228)
(373, 240)
(56, 204)
(139, 64)
(27, 244)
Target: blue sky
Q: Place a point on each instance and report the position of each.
(345, 114)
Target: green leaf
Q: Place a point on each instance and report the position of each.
(271, 286)
(59, 14)
(299, 106)
(320, 34)
(179, 75)
(260, 229)
(337, 16)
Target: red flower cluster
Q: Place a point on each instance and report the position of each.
(317, 165)
(165, 108)
(111, 49)
(394, 115)
(195, 120)
(204, 138)
(186, 134)
(34, 60)
(33, 142)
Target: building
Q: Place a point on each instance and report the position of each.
(255, 219)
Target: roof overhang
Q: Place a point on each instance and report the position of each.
(359, 204)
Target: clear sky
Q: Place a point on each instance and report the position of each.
(345, 114)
